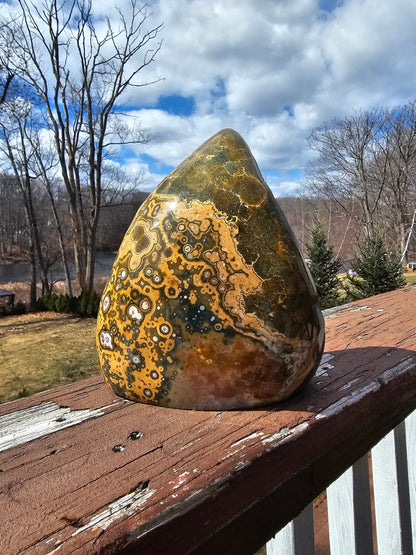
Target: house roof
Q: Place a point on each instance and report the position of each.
(5, 293)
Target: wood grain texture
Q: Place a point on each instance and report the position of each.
(207, 481)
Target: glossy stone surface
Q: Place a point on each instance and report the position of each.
(209, 304)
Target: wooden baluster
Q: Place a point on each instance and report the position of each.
(410, 424)
(296, 538)
(349, 512)
(391, 494)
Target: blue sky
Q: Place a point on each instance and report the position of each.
(272, 70)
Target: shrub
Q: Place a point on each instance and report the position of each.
(380, 270)
(85, 304)
(19, 308)
(43, 302)
(63, 304)
(51, 301)
(83, 300)
(324, 267)
(93, 304)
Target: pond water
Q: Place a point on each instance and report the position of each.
(20, 271)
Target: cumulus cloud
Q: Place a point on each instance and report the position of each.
(272, 70)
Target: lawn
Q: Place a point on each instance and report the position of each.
(410, 278)
(40, 351)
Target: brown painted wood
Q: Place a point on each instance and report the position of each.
(206, 482)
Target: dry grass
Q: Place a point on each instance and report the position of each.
(410, 278)
(43, 350)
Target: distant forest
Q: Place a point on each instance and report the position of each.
(64, 195)
(117, 212)
(119, 209)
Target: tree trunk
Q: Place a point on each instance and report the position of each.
(36, 238)
(404, 256)
(32, 287)
(65, 263)
(62, 249)
(79, 256)
(90, 266)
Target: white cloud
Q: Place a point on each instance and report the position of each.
(283, 188)
(284, 67)
(175, 137)
(272, 70)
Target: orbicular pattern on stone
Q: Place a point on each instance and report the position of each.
(209, 304)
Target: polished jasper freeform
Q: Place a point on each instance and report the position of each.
(209, 304)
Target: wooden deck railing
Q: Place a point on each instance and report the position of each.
(82, 471)
(379, 488)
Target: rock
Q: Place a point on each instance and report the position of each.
(209, 304)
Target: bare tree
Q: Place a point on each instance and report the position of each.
(6, 74)
(399, 153)
(82, 72)
(5, 82)
(348, 167)
(12, 218)
(46, 164)
(16, 127)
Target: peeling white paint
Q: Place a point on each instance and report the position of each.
(336, 311)
(179, 481)
(324, 365)
(358, 308)
(286, 434)
(56, 549)
(241, 464)
(25, 425)
(349, 384)
(247, 438)
(57, 543)
(358, 394)
(283, 435)
(122, 507)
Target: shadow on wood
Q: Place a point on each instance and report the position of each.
(104, 475)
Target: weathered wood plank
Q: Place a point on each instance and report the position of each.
(196, 481)
(31, 423)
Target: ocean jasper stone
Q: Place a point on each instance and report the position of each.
(209, 304)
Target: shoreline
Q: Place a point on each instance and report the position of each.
(21, 288)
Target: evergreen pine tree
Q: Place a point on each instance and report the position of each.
(324, 267)
(380, 270)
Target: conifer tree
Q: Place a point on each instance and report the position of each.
(324, 267)
(380, 270)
